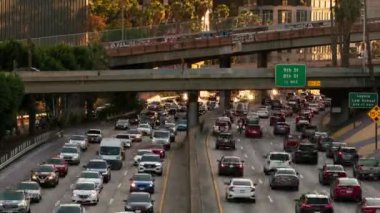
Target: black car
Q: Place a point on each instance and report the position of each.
(301, 125)
(309, 131)
(139, 202)
(367, 168)
(45, 175)
(225, 140)
(231, 165)
(306, 152)
(281, 128)
(14, 201)
(317, 136)
(333, 147)
(345, 155)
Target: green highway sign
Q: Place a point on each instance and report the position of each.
(290, 75)
(362, 100)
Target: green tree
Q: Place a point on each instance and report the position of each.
(347, 12)
(108, 9)
(200, 8)
(154, 13)
(222, 12)
(13, 52)
(247, 18)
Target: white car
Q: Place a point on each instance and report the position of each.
(92, 176)
(139, 154)
(241, 188)
(125, 139)
(275, 160)
(70, 154)
(150, 163)
(31, 189)
(263, 113)
(135, 135)
(145, 128)
(122, 124)
(80, 140)
(161, 136)
(94, 135)
(85, 192)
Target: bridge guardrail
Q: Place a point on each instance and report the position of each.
(12, 155)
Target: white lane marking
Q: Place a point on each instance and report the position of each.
(270, 199)
(57, 203)
(252, 167)
(301, 176)
(245, 155)
(125, 173)
(111, 201)
(241, 148)
(260, 181)
(118, 186)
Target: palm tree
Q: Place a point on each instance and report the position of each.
(347, 12)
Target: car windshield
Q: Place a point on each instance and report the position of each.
(84, 186)
(368, 162)
(182, 122)
(231, 160)
(170, 125)
(373, 201)
(225, 136)
(45, 169)
(134, 131)
(336, 145)
(334, 168)
(122, 121)
(69, 150)
(139, 198)
(293, 137)
(9, 195)
(253, 126)
(326, 140)
(69, 209)
(279, 156)
(141, 152)
(54, 161)
(304, 147)
(241, 183)
(109, 150)
(161, 134)
(317, 200)
(95, 132)
(150, 158)
(285, 172)
(28, 186)
(348, 150)
(97, 165)
(143, 126)
(142, 177)
(77, 138)
(89, 175)
(122, 136)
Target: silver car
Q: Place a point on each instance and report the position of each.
(284, 178)
(80, 140)
(92, 176)
(32, 190)
(85, 192)
(14, 201)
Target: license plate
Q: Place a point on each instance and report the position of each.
(138, 211)
(42, 181)
(141, 188)
(335, 175)
(349, 191)
(242, 191)
(231, 166)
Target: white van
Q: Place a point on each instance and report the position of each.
(112, 150)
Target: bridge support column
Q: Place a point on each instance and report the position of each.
(31, 100)
(339, 111)
(224, 99)
(225, 61)
(192, 112)
(262, 59)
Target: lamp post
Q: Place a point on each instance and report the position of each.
(122, 2)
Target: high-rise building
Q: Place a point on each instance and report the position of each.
(320, 9)
(234, 5)
(21, 19)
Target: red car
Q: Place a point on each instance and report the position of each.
(369, 205)
(330, 172)
(158, 149)
(253, 131)
(60, 165)
(346, 188)
(291, 142)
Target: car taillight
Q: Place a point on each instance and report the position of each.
(161, 151)
(342, 174)
(231, 188)
(340, 154)
(326, 174)
(305, 206)
(221, 165)
(329, 206)
(240, 165)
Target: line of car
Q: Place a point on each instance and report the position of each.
(301, 147)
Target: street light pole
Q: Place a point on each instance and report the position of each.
(122, 19)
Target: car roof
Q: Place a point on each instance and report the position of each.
(94, 130)
(348, 147)
(29, 182)
(316, 195)
(79, 181)
(285, 169)
(241, 179)
(274, 152)
(139, 193)
(70, 205)
(151, 154)
(97, 160)
(89, 171)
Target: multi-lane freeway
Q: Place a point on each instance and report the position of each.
(267, 200)
(113, 193)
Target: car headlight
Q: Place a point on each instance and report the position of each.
(34, 177)
(75, 156)
(151, 185)
(23, 204)
(93, 194)
(133, 185)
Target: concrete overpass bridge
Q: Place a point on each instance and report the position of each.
(195, 47)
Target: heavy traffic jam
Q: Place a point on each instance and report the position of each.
(274, 154)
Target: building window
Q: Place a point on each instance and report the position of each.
(284, 16)
(302, 16)
(267, 16)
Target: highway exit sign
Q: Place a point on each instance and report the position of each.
(362, 100)
(290, 75)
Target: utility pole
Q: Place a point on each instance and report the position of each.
(333, 37)
(30, 46)
(122, 18)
